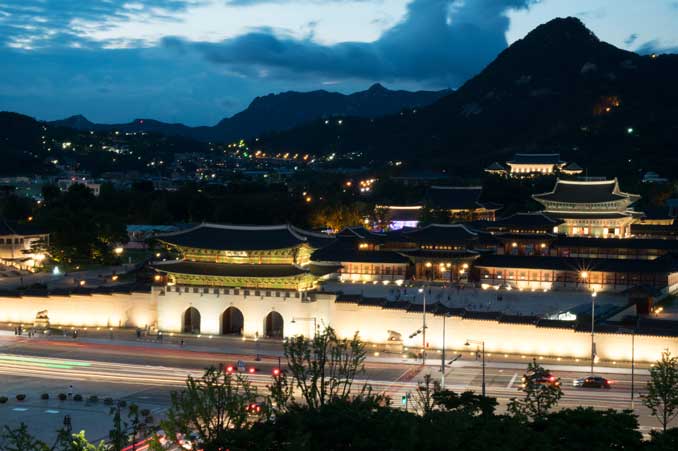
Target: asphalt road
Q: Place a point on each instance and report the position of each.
(165, 367)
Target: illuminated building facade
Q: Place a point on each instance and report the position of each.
(595, 208)
(242, 257)
(18, 243)
(526, 165)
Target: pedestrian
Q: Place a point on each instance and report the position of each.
(181, 343)
(70, 391)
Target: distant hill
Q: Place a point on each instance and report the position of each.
(277, 112)
(558, 89)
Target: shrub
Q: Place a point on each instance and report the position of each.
(77, 397)
(44, 396)
(145, 412)
(3, 399)
(20, 397)
(122, 403)
(93, 398)
(108, 401)
(62, 397)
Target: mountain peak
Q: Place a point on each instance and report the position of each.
(377, 87)
(568, 31)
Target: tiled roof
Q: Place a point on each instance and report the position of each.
(529, 220)
(441, 234)
(236, 238)
(346, 250)
(570, 191)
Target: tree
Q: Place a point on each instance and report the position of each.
(215, 406)
(541, 394)
(78, 442)
(380, 218)
(19, 439)
(424, 395)
(117, 436)
(467, 402)
(662, 389)
(584, 428)
(324, 367)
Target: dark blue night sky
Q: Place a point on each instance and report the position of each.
(197, 61)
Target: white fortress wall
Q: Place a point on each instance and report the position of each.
(95, 310)
(372, 323)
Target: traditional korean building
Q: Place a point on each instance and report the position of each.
(524, 165)
(401, 216)
(461, 202)
(244, 257)
(17, 244)
(524, 233)
(567, 273)
(590, 208)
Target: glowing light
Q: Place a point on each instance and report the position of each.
(118, 250)
(56, 271)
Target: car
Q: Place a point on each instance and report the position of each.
(545, 378)
(240, 367)
(592, 382)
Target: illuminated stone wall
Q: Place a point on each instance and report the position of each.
(374, 324)
(97, 310)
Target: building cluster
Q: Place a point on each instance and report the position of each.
(274, 281)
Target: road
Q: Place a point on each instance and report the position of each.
(159, 368)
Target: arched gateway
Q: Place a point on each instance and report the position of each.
(232, 321)
(273, 325)
(191, 321)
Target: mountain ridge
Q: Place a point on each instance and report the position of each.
(559, 88)
(275, 112)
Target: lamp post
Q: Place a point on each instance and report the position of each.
(482, 344)
(423, 329)
(442, 359)
(593, 322)
(310, 318)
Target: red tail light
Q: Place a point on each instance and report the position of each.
(229, 369)
(552, 378)
(251, 370)
(276, 371)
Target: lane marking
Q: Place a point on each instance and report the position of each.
(51, 411)
(513, 379)
(20, 409)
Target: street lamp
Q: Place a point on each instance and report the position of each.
(482, 344)
(423, 329)
(593, 321)
(442, 358)
(310, 318)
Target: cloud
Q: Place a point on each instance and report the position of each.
(631, 39)
(31, 24)
(441, 41)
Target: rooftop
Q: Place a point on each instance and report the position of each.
(441, 234)
(236, 238)
(584, 192)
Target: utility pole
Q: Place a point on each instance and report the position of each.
(442, 360)
(593, 321)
